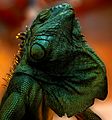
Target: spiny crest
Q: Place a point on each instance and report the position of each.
(7, 79)
(22, 36)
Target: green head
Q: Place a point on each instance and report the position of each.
(56, 24)
(58, 18)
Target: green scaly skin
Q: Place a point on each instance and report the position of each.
(57, 70)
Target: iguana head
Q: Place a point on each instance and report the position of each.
(57, 25)
(58, 18)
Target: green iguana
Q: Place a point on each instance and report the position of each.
(56, 70)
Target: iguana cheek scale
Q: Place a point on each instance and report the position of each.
(55, 69)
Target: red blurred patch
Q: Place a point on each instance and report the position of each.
(14, 14)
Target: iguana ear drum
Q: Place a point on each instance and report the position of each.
(37, 51)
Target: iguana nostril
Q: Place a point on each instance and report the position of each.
(37, 52)
(63, 6)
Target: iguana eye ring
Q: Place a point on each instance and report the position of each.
(44, 15)
(42, 19)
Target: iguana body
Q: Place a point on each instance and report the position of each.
(57, 70)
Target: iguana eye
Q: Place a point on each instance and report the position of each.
(44, 15)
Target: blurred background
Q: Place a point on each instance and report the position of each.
(96, 21)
